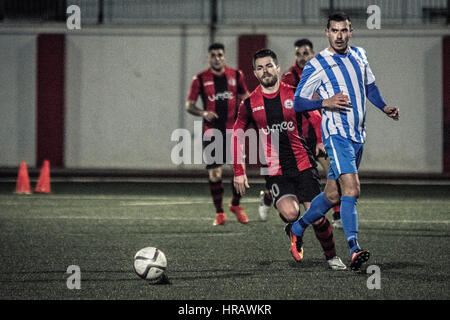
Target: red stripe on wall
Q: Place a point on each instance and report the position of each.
(446, 102)
(247, 46)
(50, 99)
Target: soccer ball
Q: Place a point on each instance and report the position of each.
(150, 263)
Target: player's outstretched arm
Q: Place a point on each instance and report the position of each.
(374, 96)
(392, 112)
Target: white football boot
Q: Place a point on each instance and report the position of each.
(263, 210)
(336, 263)
(337, 224)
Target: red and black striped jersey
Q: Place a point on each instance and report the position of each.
(219, 93)
(273, 114)
(292, 76)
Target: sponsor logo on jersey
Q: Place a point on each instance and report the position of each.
(258, 108)
(279, 127)
(221, 96)
(232, 82)
(288, 104)
(334, 65)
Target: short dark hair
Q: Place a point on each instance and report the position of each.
(265, 53)
(337, 16)
(216, 46)
(303, 42)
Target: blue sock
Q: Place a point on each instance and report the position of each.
(319, 207)
(349, 219)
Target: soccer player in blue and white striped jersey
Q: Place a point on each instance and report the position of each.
(342, 77)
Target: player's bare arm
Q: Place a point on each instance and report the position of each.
(392, 112)
(191, 108)
(240, 183)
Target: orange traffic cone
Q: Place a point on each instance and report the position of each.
(43, 184)
(23, 180)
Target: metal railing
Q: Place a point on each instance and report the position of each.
(226, 12)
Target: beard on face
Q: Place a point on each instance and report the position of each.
(217, 69)
(272, 81)
(343, 45)
(301, 62)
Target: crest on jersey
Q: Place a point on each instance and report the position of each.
(232, 82)
(288, 104)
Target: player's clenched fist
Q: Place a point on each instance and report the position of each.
(210, 116)
(392, 112)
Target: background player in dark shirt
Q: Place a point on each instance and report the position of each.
(292, 175)
(221, 89)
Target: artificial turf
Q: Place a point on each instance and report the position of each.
(100, 226)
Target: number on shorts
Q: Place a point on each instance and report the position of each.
(275, 190)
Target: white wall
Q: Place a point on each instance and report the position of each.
(125, 100)
(125, 93)
(17, 99)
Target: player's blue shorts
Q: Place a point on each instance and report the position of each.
(345, 155)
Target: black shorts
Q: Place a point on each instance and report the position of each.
(223, 151)
(305, 186)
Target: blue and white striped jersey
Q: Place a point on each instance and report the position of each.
(328, 74)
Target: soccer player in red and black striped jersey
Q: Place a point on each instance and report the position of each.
(221, 89)
(292, 175)
(311, 120)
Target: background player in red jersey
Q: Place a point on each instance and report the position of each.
(292, 175)
(221, 89)
(311, 123)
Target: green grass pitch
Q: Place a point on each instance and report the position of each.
(100, 226)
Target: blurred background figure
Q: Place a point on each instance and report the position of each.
(221, 89)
